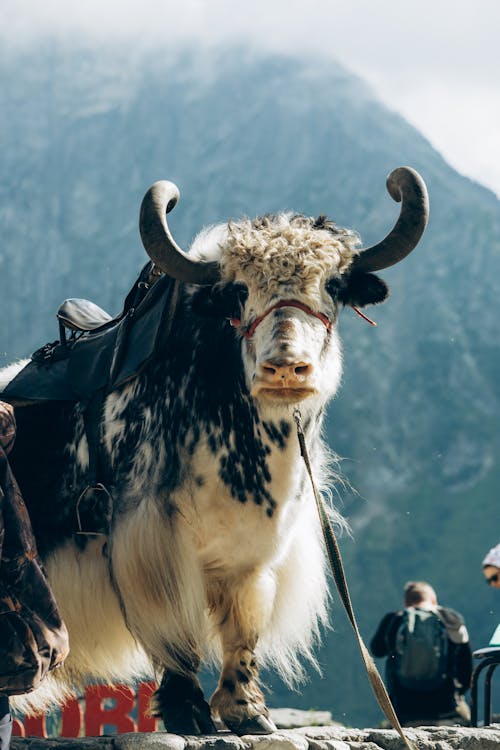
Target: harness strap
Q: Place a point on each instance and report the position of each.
(95, 501)
(92, 417)
(249, 331)
(339, 577)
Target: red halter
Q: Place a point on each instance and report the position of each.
(248, 331)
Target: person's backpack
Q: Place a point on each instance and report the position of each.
(33, 637)
(421, 650)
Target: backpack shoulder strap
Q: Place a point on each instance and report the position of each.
(411, 616)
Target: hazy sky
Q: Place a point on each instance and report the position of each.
(437, 62)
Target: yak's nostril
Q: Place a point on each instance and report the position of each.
(303, 370)
(278, 372)
(268, 370)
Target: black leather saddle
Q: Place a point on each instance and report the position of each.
(94, 355)
(96, 352)
(81, 316)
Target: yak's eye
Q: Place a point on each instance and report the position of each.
(240, 295)
(229, 299)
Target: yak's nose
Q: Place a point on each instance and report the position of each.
(278, 373)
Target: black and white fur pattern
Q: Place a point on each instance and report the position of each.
(214, 549)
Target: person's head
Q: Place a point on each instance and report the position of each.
(491, 567)
(417, 593)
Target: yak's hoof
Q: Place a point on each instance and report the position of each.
(257, 725)
(190, 719)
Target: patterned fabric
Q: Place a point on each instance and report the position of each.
(7, 426)
(33, 638)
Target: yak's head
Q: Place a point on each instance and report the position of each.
(280, 280)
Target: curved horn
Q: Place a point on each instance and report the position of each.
(159, 243)
(404, 185)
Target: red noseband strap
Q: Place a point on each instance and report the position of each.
(249, 331)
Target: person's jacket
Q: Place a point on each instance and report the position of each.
(7, 426)
(33, 637)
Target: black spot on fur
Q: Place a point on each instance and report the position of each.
(285, 428)
(213, 443)
(229, 685)
(244, 469)
(277, 434)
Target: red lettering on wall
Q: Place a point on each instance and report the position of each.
(71, 718)
(98, 716)
(18, 728)
(34, 726)
(107, 708)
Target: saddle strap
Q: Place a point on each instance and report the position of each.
(339, 577)
(92, 419)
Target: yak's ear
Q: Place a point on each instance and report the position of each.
(363, 289)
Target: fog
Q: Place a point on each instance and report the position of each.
(435, 63)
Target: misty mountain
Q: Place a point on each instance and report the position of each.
(85, 131)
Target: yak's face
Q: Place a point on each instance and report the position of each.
(293, 355)
(283, 280)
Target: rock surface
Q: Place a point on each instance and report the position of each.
(303, 738)
(291, 718)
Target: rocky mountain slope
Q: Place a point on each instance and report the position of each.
(85, 131)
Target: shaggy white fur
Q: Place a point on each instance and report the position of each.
(278, 251)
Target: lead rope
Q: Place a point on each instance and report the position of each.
(339, 577)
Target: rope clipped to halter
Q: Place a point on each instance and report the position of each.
(339, 577)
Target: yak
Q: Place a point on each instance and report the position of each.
(157, 455)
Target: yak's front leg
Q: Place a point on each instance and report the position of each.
(163, 601)
(181, 704)
(238, 700)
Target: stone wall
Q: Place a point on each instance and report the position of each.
(305, 738)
